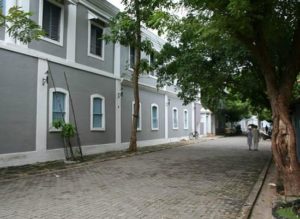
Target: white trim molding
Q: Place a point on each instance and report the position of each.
(90, 23)
(193, 116)
(102, 128)
(71, 32)
(157, 116)
(117, 73)
(166, 117)
(51, 91)
(140, 115)
(41, 106)
(173, 123)
(185, 120)
(61, 24)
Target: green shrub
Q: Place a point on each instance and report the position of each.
(67, 129)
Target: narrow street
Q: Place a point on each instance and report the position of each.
(210, 179)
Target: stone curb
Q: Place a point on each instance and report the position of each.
(114, 157)
(248, 206)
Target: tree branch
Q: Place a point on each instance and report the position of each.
(293, 62)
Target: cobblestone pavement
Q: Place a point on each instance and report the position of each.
(206, 180)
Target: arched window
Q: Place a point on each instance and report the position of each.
(175, 118)
(139, 119)
(131, 57)
(185, 119)
(97, 119)
(154, 117)
(58, 106)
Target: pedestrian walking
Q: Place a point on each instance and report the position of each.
(266, 129)
(255, 136)
(249, 138)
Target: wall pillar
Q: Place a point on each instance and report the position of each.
(209, 124)
(193, 116)
(117, 73)
(166, 117)
(71, 32)
(41, 106)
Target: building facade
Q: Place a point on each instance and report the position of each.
(97, 93)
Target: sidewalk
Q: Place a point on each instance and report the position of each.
(263, 207)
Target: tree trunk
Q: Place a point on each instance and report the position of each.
(135, 79)
(279, 90)
(135, 116)
(284, 146)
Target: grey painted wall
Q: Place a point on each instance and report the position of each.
(144, 78)
(124, 63)
(83, 85)
(82, 44)
(2, 33)
(173, 133)
(18, 81)
(172, 88)
(146, 98)
(45, 46)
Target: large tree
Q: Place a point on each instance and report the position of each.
(127, 28)
(223, 44)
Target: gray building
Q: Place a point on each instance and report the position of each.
(99, 81)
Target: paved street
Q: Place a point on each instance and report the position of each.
(207, 180)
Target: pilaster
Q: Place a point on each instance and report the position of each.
(71, 32)
(41, 106)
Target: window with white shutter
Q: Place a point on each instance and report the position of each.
(96, 42)
(52, 15)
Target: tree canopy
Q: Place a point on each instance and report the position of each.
(211, 47)
(247, 47)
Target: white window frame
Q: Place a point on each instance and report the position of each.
(51, 91)
(90, 23)
(61, 25)
(174, 108)
(129, 66)
(154, 105)
(186, 125)
(140, 115)
(91, 112)
(150, 75)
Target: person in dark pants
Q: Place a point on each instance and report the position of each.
(266, 129)
(249, 138)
